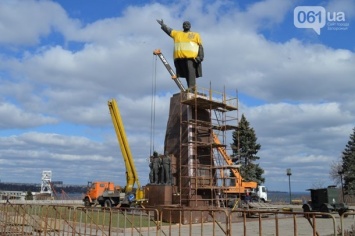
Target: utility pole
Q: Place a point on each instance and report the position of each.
(289, 173)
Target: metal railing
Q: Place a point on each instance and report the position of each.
(26, 219)
(280, 223)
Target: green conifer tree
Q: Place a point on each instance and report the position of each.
(348, 166)
(245, 152)
(29, 196)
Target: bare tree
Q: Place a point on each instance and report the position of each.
(336, 168)
(318, 184)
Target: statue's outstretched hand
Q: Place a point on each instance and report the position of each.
(161, 22)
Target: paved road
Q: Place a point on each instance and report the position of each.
(283, 225)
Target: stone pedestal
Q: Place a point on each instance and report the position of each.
(158, 195)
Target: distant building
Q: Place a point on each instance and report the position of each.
(46, 187)
(13, 195)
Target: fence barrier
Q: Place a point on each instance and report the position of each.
(29, 219)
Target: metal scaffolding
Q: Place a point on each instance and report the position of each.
(206, 117)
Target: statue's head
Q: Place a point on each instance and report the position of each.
(155, 154)
(186, 25)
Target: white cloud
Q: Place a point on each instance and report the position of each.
(267, 13)
(13, 117)
(306, 159)
(25, 22)
(54, 93)
(346, 6)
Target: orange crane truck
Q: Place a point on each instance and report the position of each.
(103, 193)
(107, 194)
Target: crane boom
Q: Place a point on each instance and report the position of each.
(158, 53)
(131, 173)
(240, 184)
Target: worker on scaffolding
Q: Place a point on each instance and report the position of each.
(188, 52)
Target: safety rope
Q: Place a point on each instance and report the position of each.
(152, 109)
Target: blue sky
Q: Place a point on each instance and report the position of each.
(61, 61)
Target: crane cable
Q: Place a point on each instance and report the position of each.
(152, 108)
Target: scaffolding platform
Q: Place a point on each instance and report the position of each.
(196, 133)
(214, 100)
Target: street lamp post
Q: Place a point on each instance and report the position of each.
(341, 181)
(289, 173)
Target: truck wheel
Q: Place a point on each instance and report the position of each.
(108, 203)
(342, 211)
(306, 208)
(324, 209)
(87, 202)
(116, 202)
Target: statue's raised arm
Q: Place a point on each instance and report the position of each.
(164, 27)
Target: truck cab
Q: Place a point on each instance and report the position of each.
(102, 193)
(97, 188)
(260, 192)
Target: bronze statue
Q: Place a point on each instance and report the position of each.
(166, 162)
(188, 52)
(151, 171)
(156, 165)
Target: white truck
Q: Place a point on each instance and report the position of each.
(260, 192)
